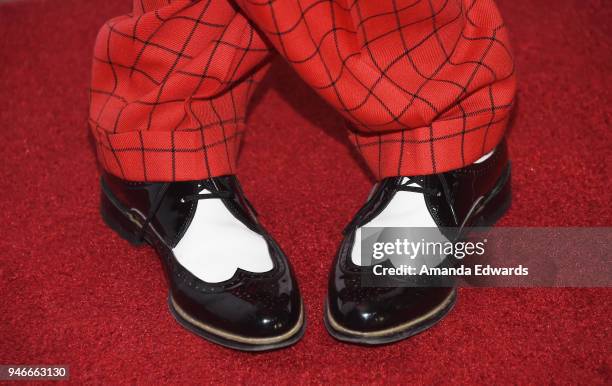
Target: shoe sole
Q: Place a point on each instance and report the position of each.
(499, 200)
(392, 334)
(234, 341)
(123, 223)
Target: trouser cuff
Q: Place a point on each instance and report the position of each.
(443, 146)
(169, 155)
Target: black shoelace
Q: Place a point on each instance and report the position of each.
(159, 197)
(408, 186)
(414, 184)
(204, 196)
(420, 188)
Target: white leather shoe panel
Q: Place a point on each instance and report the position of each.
(216, 244)
(406, 209)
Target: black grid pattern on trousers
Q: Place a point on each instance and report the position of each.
(193, 23)
(405, 58)
(460, 13)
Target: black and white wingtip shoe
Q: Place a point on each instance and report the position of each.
(229, 280)
(476, 195)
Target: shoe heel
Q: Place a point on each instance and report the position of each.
(119, 222)
(497, 205)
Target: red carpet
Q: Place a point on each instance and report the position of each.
(74, 293)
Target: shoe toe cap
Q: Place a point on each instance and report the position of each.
(380, 309)
(252, 309)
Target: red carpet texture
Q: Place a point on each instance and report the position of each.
(74, 293)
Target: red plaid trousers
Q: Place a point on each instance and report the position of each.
(426, 85)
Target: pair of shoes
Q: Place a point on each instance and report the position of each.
(230, 282)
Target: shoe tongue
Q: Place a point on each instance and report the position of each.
(405, 180)
(202, 187)
(211, 185)
(416, 182)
